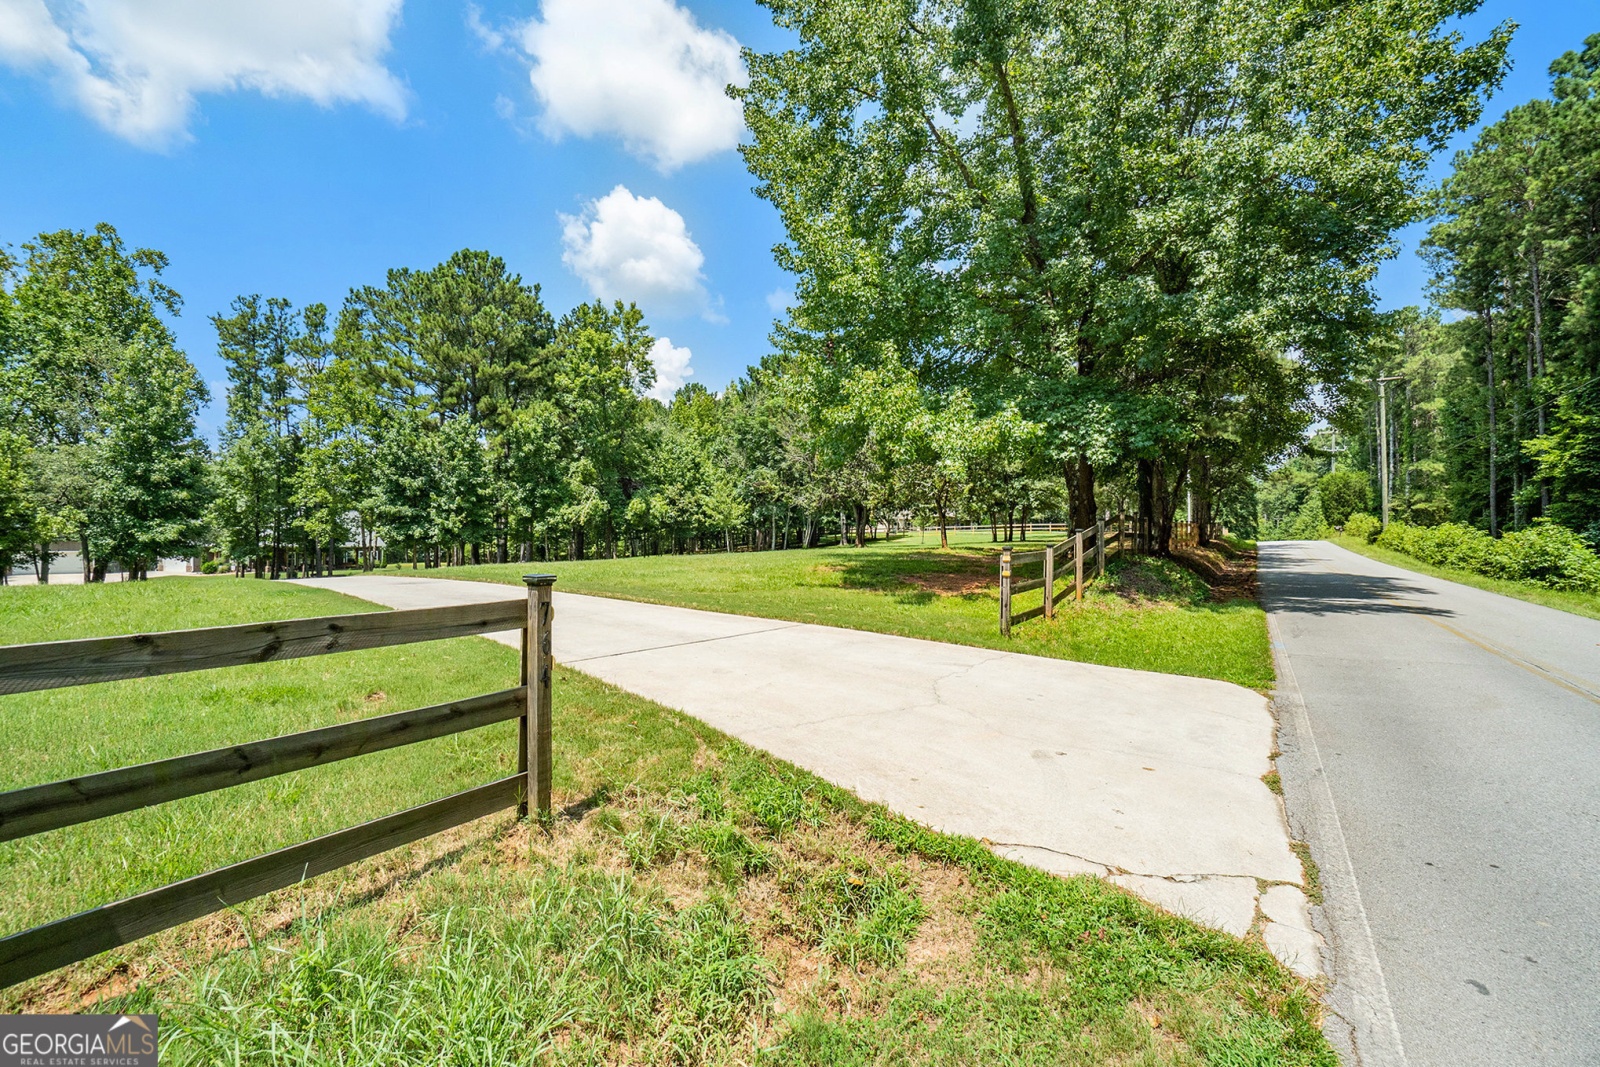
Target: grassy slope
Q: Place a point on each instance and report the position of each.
(700, 902)
(1175, 629)
(1587, 604)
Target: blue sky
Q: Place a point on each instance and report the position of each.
(302, 147)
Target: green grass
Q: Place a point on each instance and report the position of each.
(696, 902)
(1587, 604)
(1152, 615)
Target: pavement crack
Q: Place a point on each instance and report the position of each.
(1116, 870)
(682, 644)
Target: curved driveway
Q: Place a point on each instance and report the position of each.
(1442, 754)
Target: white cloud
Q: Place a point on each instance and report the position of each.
(628, 247)
(135, 66)
(491, 39)
(672, 368)
(642, 70)
(780, 300)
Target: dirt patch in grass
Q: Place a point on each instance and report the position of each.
(942, 575)
(1231, 574)
(957, 583)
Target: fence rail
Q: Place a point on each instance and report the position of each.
(51, 806)
(1071, 550)
(1104, 541)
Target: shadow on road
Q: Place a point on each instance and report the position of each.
(1287, 588)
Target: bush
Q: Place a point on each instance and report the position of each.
(1307, 524)
(1343, 493)
(1546, 553)
(1362, 526)
(208, 567)
(1550, 555)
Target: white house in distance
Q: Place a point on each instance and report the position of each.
(66, 567)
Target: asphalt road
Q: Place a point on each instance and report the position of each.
(1442, 755)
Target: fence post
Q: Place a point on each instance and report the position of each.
(1077, 562)
(1005, 591)
(534, 759)
(1100, 548)
(1049, 579)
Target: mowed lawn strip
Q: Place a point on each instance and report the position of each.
(1152, 615)
(696, 902)
(1587, 604)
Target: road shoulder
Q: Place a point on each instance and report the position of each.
(1361, 1022)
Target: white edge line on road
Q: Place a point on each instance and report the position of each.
(1364, 1002)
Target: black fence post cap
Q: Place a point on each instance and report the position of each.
(539, 579)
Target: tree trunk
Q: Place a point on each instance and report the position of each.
(861, 522)
(1144, 480)
(1488, 351)
(1083, 504)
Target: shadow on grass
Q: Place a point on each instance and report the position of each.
(915, 578)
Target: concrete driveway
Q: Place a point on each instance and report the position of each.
(1151, 780)
(1440, 753)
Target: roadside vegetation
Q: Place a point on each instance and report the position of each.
(1490, 395)
(1149, 614)
(696, 902)
(1578, 603)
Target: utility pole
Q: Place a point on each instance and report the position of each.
(1383, 441)
(1334, 449)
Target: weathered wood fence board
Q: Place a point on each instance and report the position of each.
(1072, 549)
(37, 809)
(44, 948)
(55, 664)
(51, 806)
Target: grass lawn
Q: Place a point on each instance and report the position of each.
(1587, 604)
(1152, 614)
(698, 902)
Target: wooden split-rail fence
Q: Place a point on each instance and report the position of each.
(1102, 540)
(56, 664)
(1071, 550)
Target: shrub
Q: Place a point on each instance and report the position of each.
(1343, 493)
(1362, 526)
(1551, 555)
(208, 567)
(1546, 554)
(1308, 523)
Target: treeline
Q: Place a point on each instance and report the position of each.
(448, 417)
(1494, 419)
(1050, 261)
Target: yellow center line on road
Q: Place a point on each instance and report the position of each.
(1554, 675)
